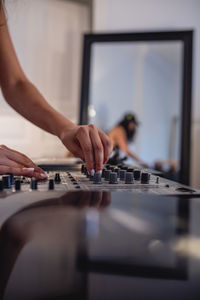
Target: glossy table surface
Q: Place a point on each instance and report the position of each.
(100, 245)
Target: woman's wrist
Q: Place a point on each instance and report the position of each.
(65, 128)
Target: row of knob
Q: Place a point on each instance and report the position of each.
(111, 174)
(7, 181)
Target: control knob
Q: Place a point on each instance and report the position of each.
(113, 178)
(51, 184)
(145, 178)
(129, 178)
(57, 178)
(97, 178)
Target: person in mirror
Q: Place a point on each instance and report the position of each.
(86, 142)
(124, 133)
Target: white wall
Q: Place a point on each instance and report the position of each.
(47, 35)
(136, 15)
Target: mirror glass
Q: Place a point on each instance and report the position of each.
(145, 79)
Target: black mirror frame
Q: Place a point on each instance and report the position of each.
(184, 36)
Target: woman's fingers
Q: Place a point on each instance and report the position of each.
(107, 145)
(19, 163)
(22, 159)
(16, 171)
(97, 146)
(84, 140)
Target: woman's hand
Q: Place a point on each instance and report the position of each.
(19, 164)
(89, 143)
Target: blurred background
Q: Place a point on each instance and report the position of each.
(48, 38)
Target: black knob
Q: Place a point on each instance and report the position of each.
(97, 178)
(33, 184)
(1, 185)
(57, 178)
(83, 167)
(113, 178)
(51, 184)
(12, 180)
(17, 184)
(157, 180)
(145, 178)
(137, 174)
(122, 175)
(129, 178)
(130, 170)
(6, 182)
(107, 175)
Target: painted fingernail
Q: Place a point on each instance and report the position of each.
(92, 172)
(29, 169)
(43, 175)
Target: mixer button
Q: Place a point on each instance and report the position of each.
(113, 178)
(107, 175)
(137, 174)
(145, 178)
(1, 185)
(33, 184)
(122, 174)
(51, 184)
(97, 178)
(17, 184)
(129, 178)
(83, 167)
(6, 182)
(12, 180)
(57, 178)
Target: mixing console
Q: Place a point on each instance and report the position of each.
(120, 178)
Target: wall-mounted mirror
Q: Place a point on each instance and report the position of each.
(148, 75)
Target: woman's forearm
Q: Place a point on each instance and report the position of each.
(24, 97)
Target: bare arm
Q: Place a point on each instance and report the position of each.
(86, 142)
(119, 138)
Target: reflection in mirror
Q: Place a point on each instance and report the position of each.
(145, 79)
